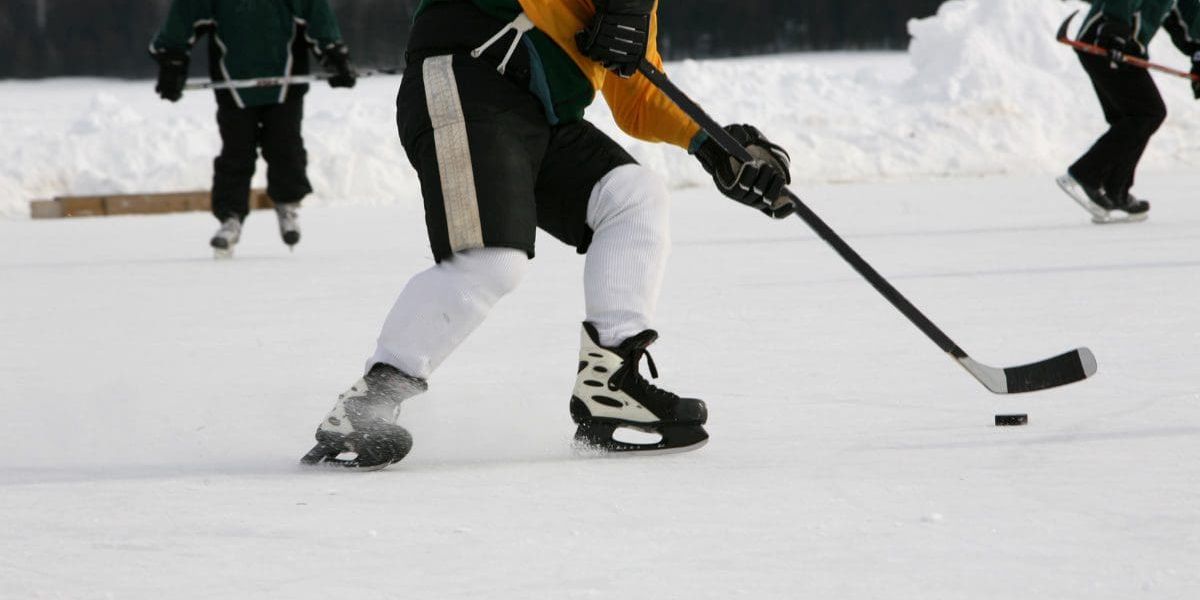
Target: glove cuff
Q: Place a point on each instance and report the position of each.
(625, 7)
(710, 154)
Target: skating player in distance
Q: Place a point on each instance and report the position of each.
(249, 40)
(1102, 179)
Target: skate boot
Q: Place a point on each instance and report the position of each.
(1128, 209)
(226, 237)
(289, 223)
(1090, 198)
(363, 423)
(611, 395)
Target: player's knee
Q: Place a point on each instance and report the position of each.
(494, 272)
(629, 189)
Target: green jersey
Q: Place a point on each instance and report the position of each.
(251, 39)
(1146, 17)
(564, 90)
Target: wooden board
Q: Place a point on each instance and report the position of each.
(133, 204)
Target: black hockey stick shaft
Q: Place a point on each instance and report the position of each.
(731, 145)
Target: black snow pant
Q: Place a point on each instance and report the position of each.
(1134, 110)
(276, 129)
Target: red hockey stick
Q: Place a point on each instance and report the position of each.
(1129, 60)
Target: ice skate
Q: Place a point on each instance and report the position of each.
(363, 423)
(1131, 210)
(611, 396)
(289, 223)
(226, 238)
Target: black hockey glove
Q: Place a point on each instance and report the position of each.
(335, 58)
(1117, 37)
(618, 35)
(172, 74)
(758, 183)
(1196, 74)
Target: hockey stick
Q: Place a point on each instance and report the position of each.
(1076, 365)
(1124, 58)
(200, 84)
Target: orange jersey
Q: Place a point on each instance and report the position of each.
(639, 108)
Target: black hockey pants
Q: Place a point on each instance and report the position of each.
(1134, 110)
(276, 129)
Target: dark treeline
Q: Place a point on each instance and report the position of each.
(45, 38)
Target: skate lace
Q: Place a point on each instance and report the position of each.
(629, 378)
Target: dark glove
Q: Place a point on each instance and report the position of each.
(335, 58)
(1117, 37)
(618, 35)
(758, 183)
(1196, 74)
(172, 74)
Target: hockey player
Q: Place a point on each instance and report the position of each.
(1101, 179)
(490, 113)
(248, 40)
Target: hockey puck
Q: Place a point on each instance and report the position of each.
(1008, 420)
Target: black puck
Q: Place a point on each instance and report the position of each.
(1007, 420)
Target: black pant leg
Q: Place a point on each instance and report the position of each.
(1134, 109)
(283, 149)
(578, 157)
(234, 167)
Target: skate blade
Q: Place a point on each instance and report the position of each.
(222, 253)
(327, 457)
(1119, 218)
(600, 439)
(586, 450)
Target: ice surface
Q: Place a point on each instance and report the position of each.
(156, 403)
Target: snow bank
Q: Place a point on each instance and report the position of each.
(983, 89)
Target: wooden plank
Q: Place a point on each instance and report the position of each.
(146, 204)
(45, 209)
(82, 206)
(134, 204)
(260, 200)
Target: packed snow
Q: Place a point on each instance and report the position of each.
(157, 401)
(985, 89)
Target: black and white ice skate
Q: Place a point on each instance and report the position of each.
(618, 411)
(1103, 209)
(226, 238)
(361, 431)
(289, 223)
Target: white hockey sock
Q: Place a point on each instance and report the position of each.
(629, 213)
(442, 305)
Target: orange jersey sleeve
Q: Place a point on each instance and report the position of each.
(639, 108)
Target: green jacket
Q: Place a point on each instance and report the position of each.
(1146, 17)
(251, 39)
(564, 90)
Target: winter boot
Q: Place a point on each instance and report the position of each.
(363, 422)
(289, 222)
(610, 394)
(226, 237)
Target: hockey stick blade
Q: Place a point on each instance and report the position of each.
(1073, 366)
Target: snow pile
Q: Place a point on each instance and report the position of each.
(983, 89)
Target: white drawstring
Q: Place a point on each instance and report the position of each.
(521, 25)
